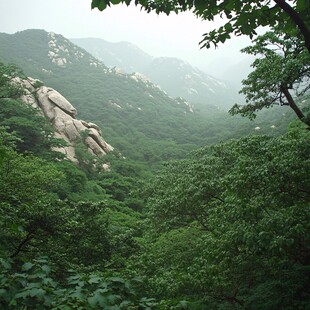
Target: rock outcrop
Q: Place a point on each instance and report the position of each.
(62, 115)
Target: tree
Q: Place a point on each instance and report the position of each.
(35, 132)
(229, 226)
(244, 17)
(7, 88)
(283, 67)
(30, 210)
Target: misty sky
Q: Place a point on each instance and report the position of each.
(174, 35)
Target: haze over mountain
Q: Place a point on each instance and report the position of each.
(135, 116)
(173, 75)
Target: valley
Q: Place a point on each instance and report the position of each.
(126, 184)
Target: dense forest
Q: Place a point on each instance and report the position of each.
(198, 210)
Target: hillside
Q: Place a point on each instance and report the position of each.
(175, 76)
(124, 55)
(74, 236)
(136, 117)
(62, 117)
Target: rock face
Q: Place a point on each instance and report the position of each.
(62, 115)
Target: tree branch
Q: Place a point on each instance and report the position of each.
(23, 243)
(297, 20)
(295, 108)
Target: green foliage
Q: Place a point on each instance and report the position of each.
(225, 228)
(34, 286)
(34, 131)
(230, 225)
(82, 235)
(29, 210)
(283, 66)
(7, 88)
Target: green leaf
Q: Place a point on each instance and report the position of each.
(117, 279)
(5, 264)
(97, 299)
(99, 4)
(95, 3)
(94, 279)
(37, 292)
(22, 294)
(2, 291)
(46, 269)
(27, 266)
(228, 27)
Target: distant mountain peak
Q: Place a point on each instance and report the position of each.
(176, 77)
(62, 52)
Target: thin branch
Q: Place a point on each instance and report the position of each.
(297, 20)
(29, 236)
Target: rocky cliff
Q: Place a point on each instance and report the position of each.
(62, 115)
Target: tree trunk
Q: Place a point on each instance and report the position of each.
(294, 106)
(297, 20)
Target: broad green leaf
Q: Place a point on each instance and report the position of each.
(27, 266)
(37, 292)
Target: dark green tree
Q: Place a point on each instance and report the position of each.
(230, 225)
(29, 208)
(7, 88)
(34, 131)
(281, 75)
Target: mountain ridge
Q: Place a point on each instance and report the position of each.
(140, 120)
(191, 83)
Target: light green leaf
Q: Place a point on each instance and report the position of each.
(27, 266)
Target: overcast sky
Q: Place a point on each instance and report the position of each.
(174, 35)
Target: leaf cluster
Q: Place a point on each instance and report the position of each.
(244, 17)
(230, 225)
(280, 77)
(34, 286)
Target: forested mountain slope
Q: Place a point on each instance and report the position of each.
(227, 227)
(124, 55)
(175, 76)
(136, 117)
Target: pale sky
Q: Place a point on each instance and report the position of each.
(173, 36)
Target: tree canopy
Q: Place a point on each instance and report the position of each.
(243, 17)
(281, 75)
(229, 226)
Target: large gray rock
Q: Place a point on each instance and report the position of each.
(62, 115)
(94, 146)
(45, 104)
(61, 102)
(93, 133)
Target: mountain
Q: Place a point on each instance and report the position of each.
(238, 72)
(175, 76)
(124, 55)
(179, 78)
(136, 116)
